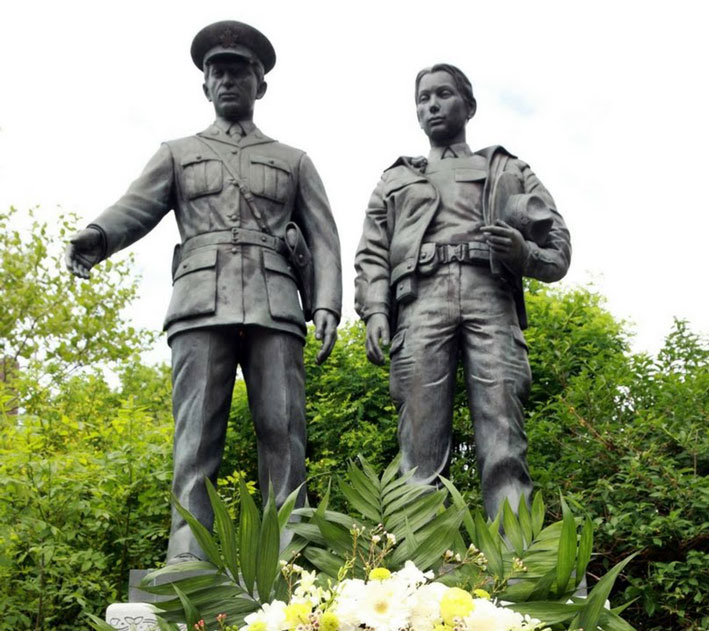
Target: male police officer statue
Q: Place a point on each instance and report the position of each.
(445, 245)
(236, 195)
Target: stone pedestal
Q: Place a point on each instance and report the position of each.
(139, 613)
(131, 617)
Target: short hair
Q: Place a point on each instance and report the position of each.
(462, 83)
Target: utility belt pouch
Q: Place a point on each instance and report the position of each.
(427, 261)
(176, 258)
(406, 289)
(301, 259)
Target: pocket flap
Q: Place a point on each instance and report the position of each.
(397, 341)
(518, 336)
(276, 263)
(196, 261)
(194, 158)
(271, 162)
(470, 175)
(395, 184)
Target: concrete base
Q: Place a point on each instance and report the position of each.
(132, 617)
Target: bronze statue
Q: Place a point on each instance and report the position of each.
(447, 240)
(256, 227)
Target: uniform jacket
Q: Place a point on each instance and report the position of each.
(232, 283)
(400, 211)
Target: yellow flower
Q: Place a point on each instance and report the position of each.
(379, 574)
(456, 603)
(329, 622)
(442, 627)
(296, 613)
(259, 625)
(481, 593)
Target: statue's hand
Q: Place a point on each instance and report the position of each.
(325, 330)
(377, 330)
(83, 252)
(507, 244)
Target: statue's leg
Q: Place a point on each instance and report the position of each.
(203, 371)
(275, 378)
(424, 357)
(498, 378)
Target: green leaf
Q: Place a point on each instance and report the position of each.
(370, 473)
(611, 621)
(249, 531)
(408, 495)
(187, 585)
(284, 512)
(163, 625)
(359, 503)
(489, 547)
(513, 531)
(191, 612)
(325, 561)
(538, 510)
(585, 549)
(436, 539)
(391, 471)
(177, 569)
(543, 586)
(201, 534)
(459, 503)
(364, 485)
(419, 513)
(225, 530)
(591, 612)
(567, 549)
(549, 612)
(525, 520)
(98, 624)
(336, 537)
(268, 549)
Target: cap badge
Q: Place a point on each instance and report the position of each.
(229, 38)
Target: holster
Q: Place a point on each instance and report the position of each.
(301, 259)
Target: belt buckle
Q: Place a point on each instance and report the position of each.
(459, 252)
(235, 235)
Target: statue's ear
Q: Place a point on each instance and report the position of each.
(206, 92)
(261, 90)
(473, 109)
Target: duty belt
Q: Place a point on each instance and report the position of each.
(473, 253)
(236, 236)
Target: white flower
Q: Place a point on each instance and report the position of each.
(384, 605)
(412, 576)
(273, 615)
(426, 606)
(487, 617)
(346, 605)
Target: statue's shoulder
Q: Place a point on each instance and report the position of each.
(495, 150)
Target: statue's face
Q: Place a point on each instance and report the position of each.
(441, 110)
(232, 85)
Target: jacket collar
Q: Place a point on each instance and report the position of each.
(219, 131)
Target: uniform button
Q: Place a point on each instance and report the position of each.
(234, 250)
(198, 157)
(263, 239)
(235, 151)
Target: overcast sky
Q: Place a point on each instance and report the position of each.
(607, 102)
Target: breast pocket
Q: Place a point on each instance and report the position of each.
(201, 176)
(269, 178)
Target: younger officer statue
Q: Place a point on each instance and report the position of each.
(255, 226)
(446, 242)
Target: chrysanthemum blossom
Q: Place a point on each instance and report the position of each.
(456, 603)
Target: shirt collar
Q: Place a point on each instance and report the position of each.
(456, 150)
(242, 128)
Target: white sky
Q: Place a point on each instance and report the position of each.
(608, 102)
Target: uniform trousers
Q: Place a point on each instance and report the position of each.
(204, 363)
(463, 311)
